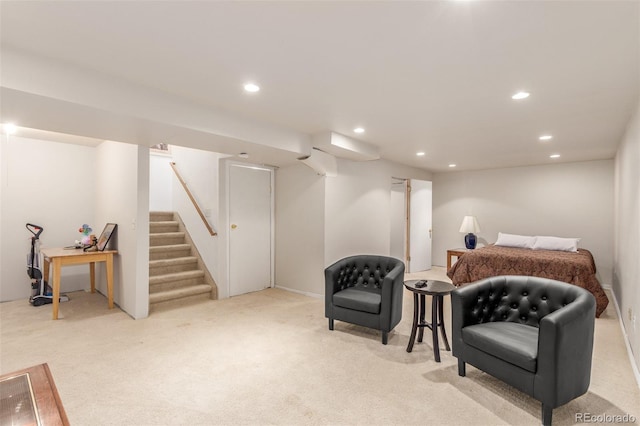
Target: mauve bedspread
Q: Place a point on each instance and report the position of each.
(489, 261)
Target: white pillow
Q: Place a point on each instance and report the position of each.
(513, 240)
(556, 243)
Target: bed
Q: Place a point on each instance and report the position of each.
(571, 267)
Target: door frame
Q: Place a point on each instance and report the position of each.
(409, 193)
(271, 170)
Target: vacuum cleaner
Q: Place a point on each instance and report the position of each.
(42, 293)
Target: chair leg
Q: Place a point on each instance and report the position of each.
(461, 368)
(385, 336)
(547, 413)
(330, 323)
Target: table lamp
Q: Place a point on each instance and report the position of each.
(470, 226)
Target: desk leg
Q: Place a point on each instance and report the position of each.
(441, 321)
(92, 275)
(45, 272)
(434, 326)
(423, 308)
(110, 279)
(56, 286)
(416, 309)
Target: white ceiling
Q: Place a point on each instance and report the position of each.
(432, 76)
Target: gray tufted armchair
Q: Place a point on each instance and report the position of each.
(533, 333)
(365, 290)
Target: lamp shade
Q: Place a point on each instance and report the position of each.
(469, 225)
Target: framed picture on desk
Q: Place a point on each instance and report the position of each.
(104, 238)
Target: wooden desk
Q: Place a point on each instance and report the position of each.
(30, 396)
(61, 257)
(455, 252)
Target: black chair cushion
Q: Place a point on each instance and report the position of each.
(512, 342)
(359, 299)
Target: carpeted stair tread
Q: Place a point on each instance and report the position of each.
(176, 294)
(160, 216)
(166, 238)
(169, 247)
(164, 222)
(172, 265)
(173, 261)
(163, 226)
(176, 276)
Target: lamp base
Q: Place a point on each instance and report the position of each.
(470, 241)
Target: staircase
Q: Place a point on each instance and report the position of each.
(177, 274)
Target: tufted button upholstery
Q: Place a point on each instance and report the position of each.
(525, 300)
(534, 333)
(359, 274)
(365, 275)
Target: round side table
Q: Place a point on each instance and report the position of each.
(437, 290)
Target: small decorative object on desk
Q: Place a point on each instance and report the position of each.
(106, 235)
(85, 230)
(94, 244)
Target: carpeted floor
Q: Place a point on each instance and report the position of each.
(269, 358)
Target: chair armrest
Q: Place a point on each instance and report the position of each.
(331, 274)
(565, 347)
(391, 282)
(392, 291)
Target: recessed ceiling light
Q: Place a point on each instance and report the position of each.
(251, 87)
(554, 156)
(243, 155)
(420, 154)
(520, 95)
(452, 165)
(9, 128)
(358, 130)
(545, 137)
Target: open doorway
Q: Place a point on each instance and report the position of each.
(411, 219)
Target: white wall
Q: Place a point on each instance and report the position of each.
(322, 219)
(122, 189)
(626, 272)
(160, 183)
(199, 169)
(358, 207)
(299, 216)
(49, 184)
(565, 200)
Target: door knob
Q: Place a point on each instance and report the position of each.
(234, 226)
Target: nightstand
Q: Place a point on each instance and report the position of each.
(457, 252)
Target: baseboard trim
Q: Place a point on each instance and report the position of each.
(625, 337)
(305, 293)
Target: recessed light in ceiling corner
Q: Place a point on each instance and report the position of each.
(251, 87)
(420, 154)
(9, 128)
(554, 156)
(452, 165)
(545, 137)
(243, 155)
(359, 130)
(520, 95)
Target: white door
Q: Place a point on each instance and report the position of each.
(420, 226)
(398, 244)
(250, 221)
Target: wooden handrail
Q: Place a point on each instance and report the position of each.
(193, 200)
